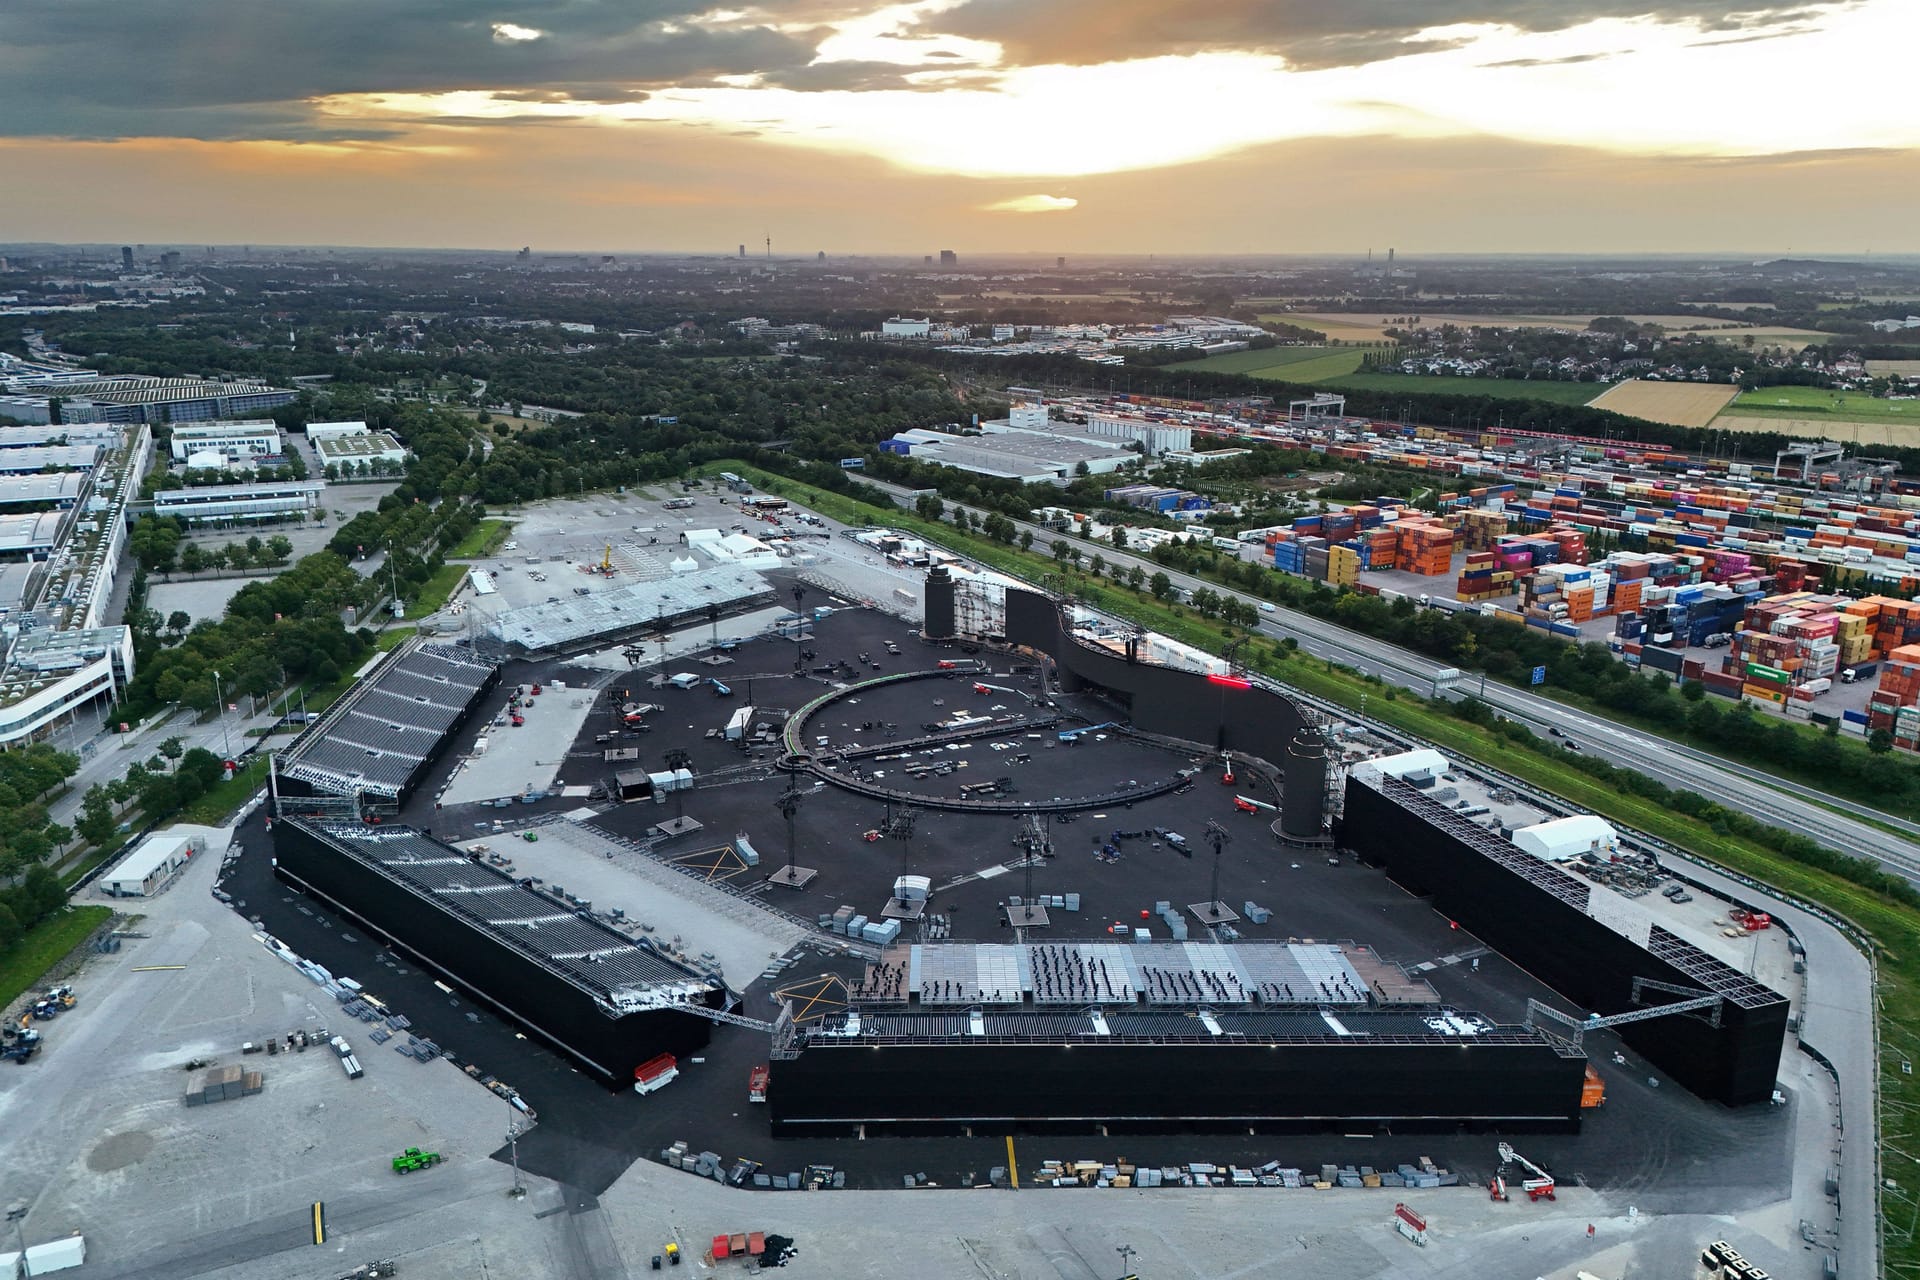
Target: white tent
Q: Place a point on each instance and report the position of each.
(1425, 760)
(1564, 839)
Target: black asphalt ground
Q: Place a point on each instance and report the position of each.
(1655, 1144)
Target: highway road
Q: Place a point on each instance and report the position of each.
(1804, 810)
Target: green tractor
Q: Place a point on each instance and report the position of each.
(414, 1158)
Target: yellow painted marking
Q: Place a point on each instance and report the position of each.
(155, 968)
(1013, 1168)
(319, 1222)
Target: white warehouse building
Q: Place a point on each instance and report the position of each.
(236, 441)
(1157, 437)
(151, 866)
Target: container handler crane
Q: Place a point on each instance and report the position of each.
(1538, 1184)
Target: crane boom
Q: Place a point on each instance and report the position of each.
(1538, 1185)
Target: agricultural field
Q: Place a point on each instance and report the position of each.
(1367, 327)
(1678, 404)
(1839, 430)
(1821, 402)
(1768, 336)
(1894, 368)
(1286, 364)
(1495, 388)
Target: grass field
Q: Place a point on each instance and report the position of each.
(1678, 404)
(484, 539)
(23, 965)
(437, 590)
(1497, 388)
(1820, 402)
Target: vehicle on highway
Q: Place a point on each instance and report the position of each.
(1570, 745)
(1265, 607)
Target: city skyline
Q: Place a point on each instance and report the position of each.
(1258, 126)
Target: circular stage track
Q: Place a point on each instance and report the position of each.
(968, 741)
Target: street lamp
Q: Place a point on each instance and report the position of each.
(16, 1213)
(220, 710)
(519, 1188)
(1126, 1252)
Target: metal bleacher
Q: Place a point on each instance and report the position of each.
(622, 974)
(1168, 974)
(378, 738)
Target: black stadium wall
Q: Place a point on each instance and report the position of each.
(1254, 721)
(830, 1087)
(542, 1002)
(1537, 917)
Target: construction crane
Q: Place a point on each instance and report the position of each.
(1538, 1184)
(606, 562)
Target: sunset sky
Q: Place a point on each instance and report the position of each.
(1204, 126)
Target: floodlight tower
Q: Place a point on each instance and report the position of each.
(799, 629)
(792, 875)
(900, 823)
(660, 636)
(1214, 911)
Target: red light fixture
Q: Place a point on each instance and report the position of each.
(1230, 682)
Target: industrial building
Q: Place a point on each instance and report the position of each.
(347, 449)
(1155, 437)
(1597, 949)
(32, 459)
(30, 536)
(607, 1000)
(1030, 457)
(240, 503)
(1075, 1035)
(374, 744)
(615, 614)
(58, 489)
(57, 574)
(234, 442)
(135, 399)
(318, 431)
(150, 866)
(106, 435)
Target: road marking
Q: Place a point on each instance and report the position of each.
(155, 968)
(319, 1222)
(1013, 1170)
